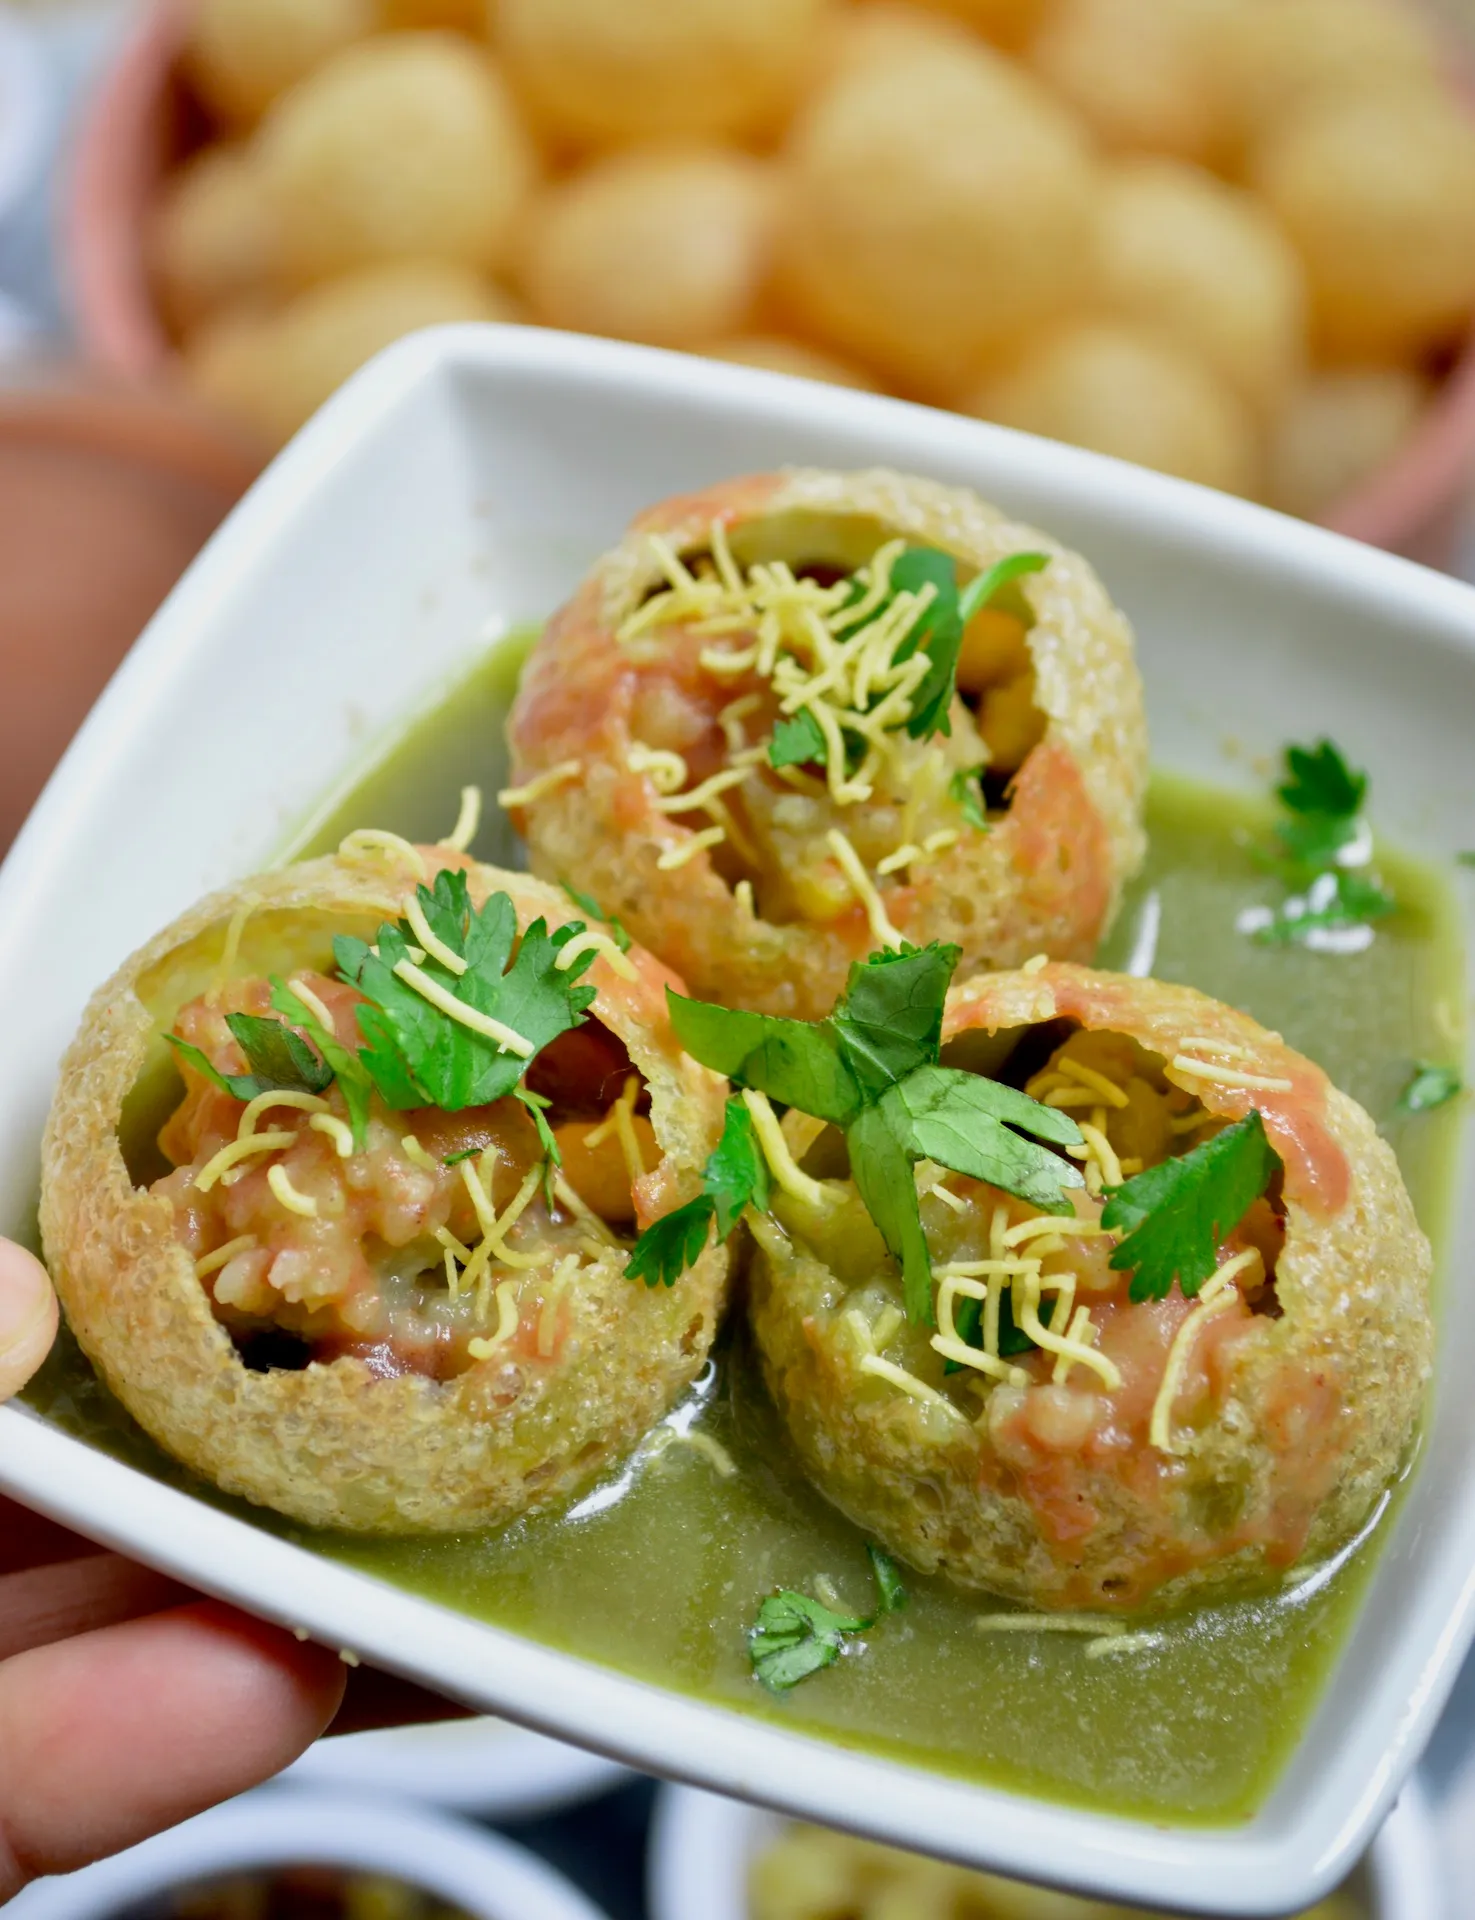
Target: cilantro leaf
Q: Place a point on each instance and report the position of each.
(417, 1054)
(672, 1244)
(963, 1122)
(943, 624)
(280, 1060)
(455, 1159)
(1429, 1086)
(968, 1319)
(351, 1074)
(798, 741)
(795, 1636)
(1465, 857)
(587, 904)
(889, 1018)
(1319, 781)
(1176, 1214)
(797, 1062)
(892, 1595)
(537, 1104)
(735, 1176)
(967, 796)
(881, 1167)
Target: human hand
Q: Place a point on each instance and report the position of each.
(122, 1710)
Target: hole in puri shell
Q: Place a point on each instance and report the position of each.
(273, 1350)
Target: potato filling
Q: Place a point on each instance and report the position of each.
(1031, 1317)
(447, 1237)
(748, 666)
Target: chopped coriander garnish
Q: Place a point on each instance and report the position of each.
(1466, 857)
(795, 1635)
(798, 741)
(280, 1061)
(939, 632)
(1176, 1214)
(1321, 854)
(587, 904)
(420, 1055)
(349, 1071)
(967, 795)
(735, 1176)
(455, 1159)
(1429, 1086)
(872, 1068)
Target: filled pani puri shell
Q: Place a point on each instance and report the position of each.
(1072, 1447)
(423, 1328)
(654, 706)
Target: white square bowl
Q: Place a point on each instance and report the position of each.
(469, 475)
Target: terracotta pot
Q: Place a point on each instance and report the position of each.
(141, 121)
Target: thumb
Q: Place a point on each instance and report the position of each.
(27, 1317)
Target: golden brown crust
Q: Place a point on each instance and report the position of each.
(1047, 878)
(1310, 1418)
(334, 1445)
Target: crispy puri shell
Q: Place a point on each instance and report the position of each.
(334, 1445)
(1047, 878)
(1308, 1428)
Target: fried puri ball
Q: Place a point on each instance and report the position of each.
(775, 354)
(465, 16)
(1336, 430)
(405, 147)
(1277, 59)
(1141, 73)
(319, 1360)
(669, 246)
(1009, 23)
(213, 241)
(642, 734)
(273, 371)
(1171, 1448)
(1125, 391)
(935, 207)
(880, 32)
(596, 74)
(1378, 194)
(241, 54)
(1201, 263)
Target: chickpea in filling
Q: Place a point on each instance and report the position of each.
(734, 652)
(448, 1236)
(1037, 1336)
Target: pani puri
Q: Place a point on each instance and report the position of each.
(404, 147)
(273, 372)
(1336, 430)
(1139, 72)
(934, 209)
(291, 1331)
(1201, 263)
(1277, 59)
(213, 240)
(242, 54)
(1180, 1448)
(668, 246)
(1378, 194)
(1124, 391)
(594, 73)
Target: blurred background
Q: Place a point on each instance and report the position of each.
(1230, 239)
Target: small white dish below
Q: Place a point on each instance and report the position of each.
(702, 1848)
(481, 1766)
(484, 1875)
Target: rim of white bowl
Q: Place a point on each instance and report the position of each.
(27, 103)
(701, 1845)
(485, 1766)
(488, 1877)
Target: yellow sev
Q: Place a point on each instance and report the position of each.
(841, 660)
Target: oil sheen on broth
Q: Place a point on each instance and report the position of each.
(660, 1572)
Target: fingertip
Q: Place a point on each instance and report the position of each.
(28, 1317)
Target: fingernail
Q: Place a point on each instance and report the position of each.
(27, 1316)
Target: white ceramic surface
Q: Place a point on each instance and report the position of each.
(486, 1876)
(468, 475)
(478, 1766)
(702, 1845)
